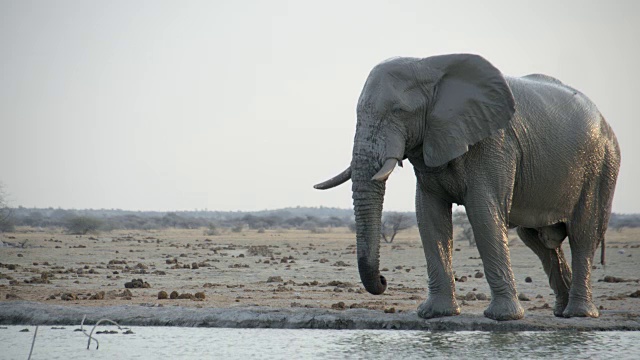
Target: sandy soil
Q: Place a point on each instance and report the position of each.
(293, 269)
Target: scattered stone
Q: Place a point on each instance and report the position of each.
(542, 307)
(136, 283)
(274, 279)
(478, 275)
(482, 296)
(539, 296)
(470, 296)
(635, 294)
(12, 297)
(523, 297)
(185, 296)
(68, 297)
(323, 260)
(339, 306)
(260, 250)
(163, 295)
(462, 279)
(195, 265)
(340, 263)
(340, 284)
(613, 279)
(391, 310)
(174, 295)
(528, 279)
(24, 330)
(97, 296)
(199, 295)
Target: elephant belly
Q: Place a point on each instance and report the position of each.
(541, 208)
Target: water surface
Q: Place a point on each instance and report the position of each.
(206, 343)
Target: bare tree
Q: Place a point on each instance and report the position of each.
(5, 212)
(392, 224)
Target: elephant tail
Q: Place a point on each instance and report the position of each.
(602, 251)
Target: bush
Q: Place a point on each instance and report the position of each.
(81, 225)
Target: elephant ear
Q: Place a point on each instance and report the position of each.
(471, 101)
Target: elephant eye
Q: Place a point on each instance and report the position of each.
(397, 110)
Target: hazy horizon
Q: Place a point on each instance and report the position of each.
(244, 106)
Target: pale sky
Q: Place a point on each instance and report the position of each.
(244, 105)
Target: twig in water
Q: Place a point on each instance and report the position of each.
(33, 342)
(84, 332)
(94, 327)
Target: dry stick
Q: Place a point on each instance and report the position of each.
(33, 342)
(84, 332)
(94, 327)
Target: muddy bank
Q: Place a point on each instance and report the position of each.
(31, 313)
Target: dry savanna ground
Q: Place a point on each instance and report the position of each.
(279, 268)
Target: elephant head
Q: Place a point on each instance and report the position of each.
(432, 108)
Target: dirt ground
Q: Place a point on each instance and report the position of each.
(276, 269)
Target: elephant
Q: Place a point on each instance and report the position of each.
(518, 152)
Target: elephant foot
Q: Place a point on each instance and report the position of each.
(561, 304)
(504, 308)
(580, 308)
(438, 306)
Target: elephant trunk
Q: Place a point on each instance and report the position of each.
(367, 202)
(370, 168)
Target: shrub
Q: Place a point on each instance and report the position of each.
(81, 225)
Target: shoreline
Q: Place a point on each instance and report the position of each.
(34, 313)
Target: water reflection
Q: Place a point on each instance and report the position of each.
(161, 342)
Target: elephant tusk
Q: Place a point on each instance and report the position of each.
(386, 170)
(334, 181)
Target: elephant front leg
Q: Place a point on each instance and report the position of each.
(490, 231)
(436, 232)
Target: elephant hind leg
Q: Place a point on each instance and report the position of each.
(586, 231)
(553, 261)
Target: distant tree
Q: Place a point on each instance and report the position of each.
(6, 224)
(460, 219)
(393, 223)
(81, 225)
(618, 222)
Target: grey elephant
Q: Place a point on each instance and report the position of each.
(527, 152)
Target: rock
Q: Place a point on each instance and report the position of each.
(528, 279)
(391, 310)
(470, 296)
(523, 297)
(174, 295)
(612, 279)
(340, 263)
(12, 297)
(462, 279)
(195, 265)
(539, 296)
(339, 306)
(136, 283)
(185, 296)
(199, 295)
(97, 296)
(274, 279)
(68, 297)
(163, 295)
(635, 294)
(260, 250)
(478, 275)
(481, 296)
